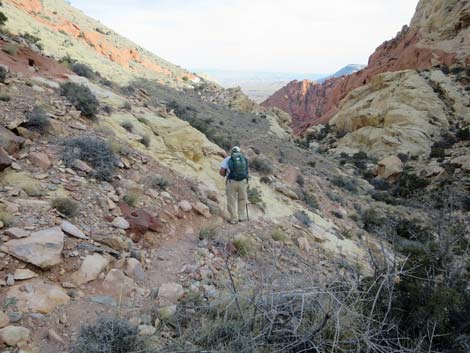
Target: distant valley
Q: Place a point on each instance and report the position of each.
(260, 85)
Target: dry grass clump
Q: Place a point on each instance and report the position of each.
(65, 206)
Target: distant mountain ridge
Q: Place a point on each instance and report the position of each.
(347, 70)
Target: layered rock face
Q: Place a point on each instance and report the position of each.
(439, 34)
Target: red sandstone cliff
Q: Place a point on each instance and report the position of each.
(439, 34)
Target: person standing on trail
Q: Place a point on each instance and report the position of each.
(235, 169)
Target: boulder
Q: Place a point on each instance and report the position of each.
(390, 168)
(202, 209)
(40, 160)
(5, 160)
(13, 335)
(38, 296)
(120, 222)
(134, 270)
(170, 293)
(90, 269)
(285, 190)
(462, 161)
(9, 141)
(72, 230)
(146, 330)
(17, 233)
(115, 241)
(140, 221)
(304, 244)
(23, 274)
(118, 284)
(82, 166)
(4, 320)
(185, 206)
(42, 248)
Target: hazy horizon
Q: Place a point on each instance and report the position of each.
(301, 36)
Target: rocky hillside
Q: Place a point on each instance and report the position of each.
(65, 32)
(438, 35)
(112, 215)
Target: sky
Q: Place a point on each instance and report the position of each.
(309, 36)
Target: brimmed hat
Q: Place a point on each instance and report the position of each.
(235, 149)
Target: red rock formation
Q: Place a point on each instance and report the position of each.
(417, 48)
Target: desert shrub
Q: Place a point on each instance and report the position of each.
(127, 106)
(413, 230)
(3, 19)
(279, 235)
(132, 197)
(437, 152)
(65, 206)
(128, 126)
(372, 219)
(310, 200)
(303, 218)
(409, 184)
(108, 335)
(379, 184)
(262, 166)
(244, 245)
(7, 219)
(463, 134)
(11, 49)
(93, 151)
(265, 179)
(4, 96)
(255, 197)
(359, 159)
(32, 188)
(3, 73)
(31, 38)
(81, 97)
(158, 182)
(300, 180)
(82, 70)
(37, 120)
(345, 183)
(207, 233)
(184, 112)
(334, 197)
(384, 196)
(107, 109)
(145, 140)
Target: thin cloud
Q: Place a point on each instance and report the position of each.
(256, 35)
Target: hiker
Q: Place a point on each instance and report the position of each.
(235, 169)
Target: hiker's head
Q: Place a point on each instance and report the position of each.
(235, 149)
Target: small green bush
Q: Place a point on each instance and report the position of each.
(82, 70)
(207, 233)
(31, 38)
(7, 219)
(65, 206)
(3, 19)
(279, 235)
(158, 182)
(262, 166)
(128, 126)
(81, 97)
(37, 120)
(3, 73)
(11, 49)
(132, 197)
(255, 196)
(109, 335)
(145, 140)
(345, 183)
(4, 96)
(300, 180)
(372, 220)
(127, 106)
(244, 245)
(409, 184)
(93, 151)
(463, 134)
(303, 218)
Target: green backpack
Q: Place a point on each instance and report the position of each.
(238, 166)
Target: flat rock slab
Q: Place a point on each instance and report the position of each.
(72, 230)
(38, 296)
(17, 233)
(22, 274)
(42, 248)
(90, 269)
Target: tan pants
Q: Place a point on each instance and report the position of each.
(236, 199)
